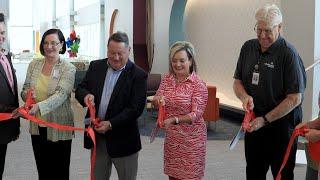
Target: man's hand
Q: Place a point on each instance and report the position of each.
(15, 114)
(241, 93)
(247, 103)
(102, 127)
(89, 98)
(256, 124)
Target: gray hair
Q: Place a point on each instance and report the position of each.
(270, 14)
(119, 36)
(180, 46)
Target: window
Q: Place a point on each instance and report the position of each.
(20, 26)
(62, 8)
(89, 36)
(78, 4)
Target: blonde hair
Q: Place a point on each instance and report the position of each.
(270, 14)
(180, 46)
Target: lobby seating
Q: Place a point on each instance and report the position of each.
(212, 110)
(153, 83)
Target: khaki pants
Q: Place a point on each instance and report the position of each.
(126, 167)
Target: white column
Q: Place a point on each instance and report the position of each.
(102, 52)
(4, 7)
(54, 14)
(72, 14)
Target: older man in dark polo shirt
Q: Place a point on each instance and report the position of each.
(270, 80)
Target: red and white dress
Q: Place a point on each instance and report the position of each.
(185, 144)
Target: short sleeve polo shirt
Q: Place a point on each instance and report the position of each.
(281, 72)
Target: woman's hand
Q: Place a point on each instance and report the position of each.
(157, 101)
(312, 135)
(34, 109)
(302, 124)
(169, 122)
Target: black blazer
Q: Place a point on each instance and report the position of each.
(126, 105)
(9, 130)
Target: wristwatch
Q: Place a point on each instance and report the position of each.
(177, 119)
(265, 120)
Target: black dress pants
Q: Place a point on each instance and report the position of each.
(52, 158)
(3, 151)
(266, 148)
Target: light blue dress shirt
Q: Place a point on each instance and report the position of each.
(110, 81)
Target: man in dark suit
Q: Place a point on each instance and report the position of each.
(9, 129)
(118, 89)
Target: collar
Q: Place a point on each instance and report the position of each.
(60, 61)
(191, 78)
(125, 67)
(273, 46)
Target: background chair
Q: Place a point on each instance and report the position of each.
(153, 83)
(211, 114)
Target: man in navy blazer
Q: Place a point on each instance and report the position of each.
(117, 87)
(9, 129)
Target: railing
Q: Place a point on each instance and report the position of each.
(312, 65)
(26, 57)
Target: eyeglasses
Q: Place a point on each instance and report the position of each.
(267, 32)
(52, 43)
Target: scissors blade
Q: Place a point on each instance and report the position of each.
(154, 133)
(236, 138)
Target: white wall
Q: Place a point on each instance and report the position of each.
(124, 20)
(299, 25)
(162, 10)
(218, 29)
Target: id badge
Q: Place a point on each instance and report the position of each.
(255, 78)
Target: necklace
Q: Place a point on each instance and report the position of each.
(183, 80)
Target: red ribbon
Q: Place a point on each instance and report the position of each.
(5, 116)
(161, 116)
(314, 148)
(248, 117)
(24, 111)
(94, 121)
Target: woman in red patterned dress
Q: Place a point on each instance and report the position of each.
(185, 97)
(312, 135)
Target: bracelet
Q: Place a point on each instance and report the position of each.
(265, 120)
(177, 119)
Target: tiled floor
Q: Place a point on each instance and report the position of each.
(221, 164)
